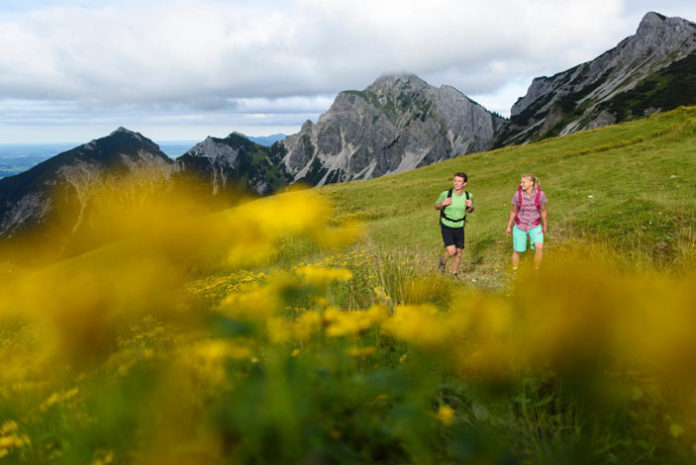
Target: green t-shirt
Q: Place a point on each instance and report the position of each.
(457, 209)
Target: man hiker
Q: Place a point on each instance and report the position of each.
(453, 205)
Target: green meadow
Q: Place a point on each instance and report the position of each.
(627, 188)
(312, 326)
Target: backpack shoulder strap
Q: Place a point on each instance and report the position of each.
(537, 197)
(519, 197)
(444, 215)
(467, 195)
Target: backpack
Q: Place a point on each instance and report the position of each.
(442, 212)
(536, 204)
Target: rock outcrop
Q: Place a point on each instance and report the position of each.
(234, 163)
(614, 87)
(398, 123)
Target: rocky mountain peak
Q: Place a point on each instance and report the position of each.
(397, 123)
(125, 141)
(399, 82)
(650, 22)
(232, 164)
(656, 30)
(656, 25)
(122, 130)
(126, 134)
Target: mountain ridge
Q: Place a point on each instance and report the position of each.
(580, 97)
(57, 190)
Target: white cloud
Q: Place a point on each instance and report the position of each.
(183, 49)
(211, 58)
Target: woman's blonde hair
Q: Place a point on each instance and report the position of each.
(534, 179)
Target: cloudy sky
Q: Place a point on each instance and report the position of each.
(74, 70)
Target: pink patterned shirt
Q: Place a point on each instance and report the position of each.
(528, 213)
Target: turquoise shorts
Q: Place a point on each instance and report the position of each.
(519, 238)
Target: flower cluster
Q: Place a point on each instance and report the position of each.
(11, 439)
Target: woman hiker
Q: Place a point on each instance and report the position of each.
(453, 205)
(530, 220)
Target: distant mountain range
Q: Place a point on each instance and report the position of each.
(397, 123)
(17, 158)
(266, 140)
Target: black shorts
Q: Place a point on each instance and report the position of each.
(452, 236)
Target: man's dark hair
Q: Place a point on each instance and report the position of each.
(461, 174)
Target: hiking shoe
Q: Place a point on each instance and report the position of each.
(441, 266)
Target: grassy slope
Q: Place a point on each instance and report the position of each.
(629, 187)
(291, 403)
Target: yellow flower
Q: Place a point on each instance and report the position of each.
(323, 275)
(207, 358)
(253, 303)
(9, 439)
(9, 427)
(279, 330)
(360, 351)
(217, 349)
(103, 458)
(306, 325)
(418, 324)
(58, 398)
(445, 414)
(350, 323)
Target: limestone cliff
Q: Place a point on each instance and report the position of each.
(398, 123)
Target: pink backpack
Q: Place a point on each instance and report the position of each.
(536, 204)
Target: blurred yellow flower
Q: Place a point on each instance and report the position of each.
(214, 350)
(360, 351)
(254, 302)
(279, 330)
(10, 439)
(321, 275)
(307, 324)
(103, 458)
(208, 358)
(10, 426)
(445, 414)
(350, 323)
(58, 398)
(421, 325)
